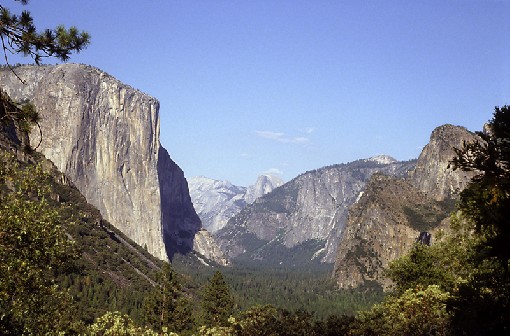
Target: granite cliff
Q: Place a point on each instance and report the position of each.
(104, 135)
(391, 213)
(432, 174)
(311, 210)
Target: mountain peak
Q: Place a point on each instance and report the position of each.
(265, 184)
(382, 159)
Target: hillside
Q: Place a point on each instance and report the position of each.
(111, 272)
(390, 215)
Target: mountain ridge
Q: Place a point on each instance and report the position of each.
(388, 218)
(312, 206)
(216, 201)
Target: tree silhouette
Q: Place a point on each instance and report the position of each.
(217, 301)
(19, 35)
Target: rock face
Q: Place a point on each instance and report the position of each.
(264, 185)
(105, 136)
(432, 174)
(382, 226)
(217, 201)
(311, 207)
(206, 245)
(180, 221)
(388, 218)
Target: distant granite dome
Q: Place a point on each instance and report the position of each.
(382, 159)
(217, 201)
(264, 184)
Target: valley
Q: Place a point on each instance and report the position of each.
(319, 245)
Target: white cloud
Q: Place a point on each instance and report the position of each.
(270, 135)
(281, 137)
(273, 171)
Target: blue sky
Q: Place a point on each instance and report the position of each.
(287, 86)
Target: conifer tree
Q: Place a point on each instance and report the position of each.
(217, 301)
(486, 201)
(482, 304)
(166, 306)
(19, 35)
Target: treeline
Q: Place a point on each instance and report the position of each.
(310, 289)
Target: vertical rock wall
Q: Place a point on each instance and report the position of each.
(105, 136)
(432, 174)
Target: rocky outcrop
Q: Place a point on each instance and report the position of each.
(382, 226)
(105, 136)
(264, 185)
(390, 215)
(311, 207)
(206, 245)
(217, 201)
(432, 174)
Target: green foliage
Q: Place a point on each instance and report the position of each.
(274, 254)
(267, 320)
(444, 264)
(464, 279)
(33, 248)
(418, 311)
(217, 302)
(116, 324)
(486, 201)
(482, 304)
(19, 35)
(309, 288)
(258, 320)
(424, 217)
(166, 306)
(23, 114)
(42, 218)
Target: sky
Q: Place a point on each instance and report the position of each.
(287, 86)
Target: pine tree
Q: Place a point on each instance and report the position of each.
(486, 201)
(166, 306)
(482, 304)
(217, 301)
(19, 35)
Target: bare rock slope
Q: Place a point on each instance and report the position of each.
(386, 221)
(311, 209)
(217, 201)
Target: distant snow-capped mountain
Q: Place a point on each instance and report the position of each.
(217, 201)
